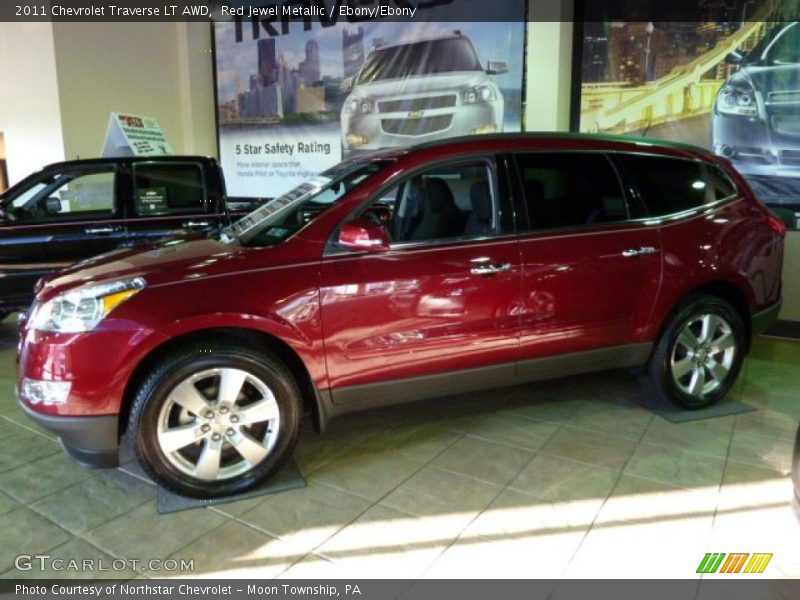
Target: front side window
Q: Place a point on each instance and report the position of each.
(448, 202)
(279, 219)
(570, 189)
(669, 186)
(80, 193)
(169, 189)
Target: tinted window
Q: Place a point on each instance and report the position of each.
(786, 48)
(568, 189)
(454, 201)
(719, 184)
(80, 193)
(169, 188)
(282, 217)
(421, 58)
(669, 185)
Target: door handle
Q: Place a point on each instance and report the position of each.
(96, 230)
(491, 269)
(196, 224)
(634, 252)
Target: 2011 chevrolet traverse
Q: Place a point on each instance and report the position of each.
(400, 276)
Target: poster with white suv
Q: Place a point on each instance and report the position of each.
(295, 98)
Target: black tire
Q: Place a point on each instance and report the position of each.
(662, 377)
(154, 393)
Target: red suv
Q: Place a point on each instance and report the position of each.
(412, 274)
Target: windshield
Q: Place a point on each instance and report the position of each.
(421, 58)
(279, 219)
(779, 44)
(786, 48)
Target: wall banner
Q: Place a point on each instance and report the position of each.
(728, 80)
(295, 98)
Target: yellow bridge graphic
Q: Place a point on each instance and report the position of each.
(687, 91)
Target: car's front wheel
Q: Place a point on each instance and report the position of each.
(700, 353)
(215, 419)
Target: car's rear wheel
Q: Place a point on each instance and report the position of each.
(215, 420)
(700, 353)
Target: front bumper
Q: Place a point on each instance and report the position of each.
(90, 441)
(430, 125)
(98, 365)
(768, 160)
(765, 318)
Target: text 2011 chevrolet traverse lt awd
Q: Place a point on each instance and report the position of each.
(400, 276)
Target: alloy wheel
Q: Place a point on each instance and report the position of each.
(703, 355)
(218, 423)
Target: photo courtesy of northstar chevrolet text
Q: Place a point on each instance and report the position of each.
(411, 298)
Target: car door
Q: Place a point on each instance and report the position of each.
(590, 267)
(438, 309)
(170, 198)
(60, 216)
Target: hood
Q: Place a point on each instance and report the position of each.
(157, 263)
(436, 82)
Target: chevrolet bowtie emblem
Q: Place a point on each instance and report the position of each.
(416, 114)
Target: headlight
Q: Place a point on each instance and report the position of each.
(481, 93)
(737, 100)
(358, 106)
(82, 309)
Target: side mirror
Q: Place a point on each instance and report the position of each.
(52, 205)
(364, 234)
(347, 84)
(734, 58)
(497, 67)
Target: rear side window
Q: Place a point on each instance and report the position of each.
(169, 189)
(719, 184)
(570, 189)
(673, 185)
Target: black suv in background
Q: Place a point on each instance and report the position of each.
(74, 210)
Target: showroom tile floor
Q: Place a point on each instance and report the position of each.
(559, 479)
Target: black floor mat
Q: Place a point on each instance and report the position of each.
(723, 409)
(674, 414)
(288, 478)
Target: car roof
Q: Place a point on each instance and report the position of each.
(511, 142)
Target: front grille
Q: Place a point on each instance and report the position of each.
(415, 127)
(789, 157)
(786, 125)
(791, 97)
(415, 104)
(751, 155)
